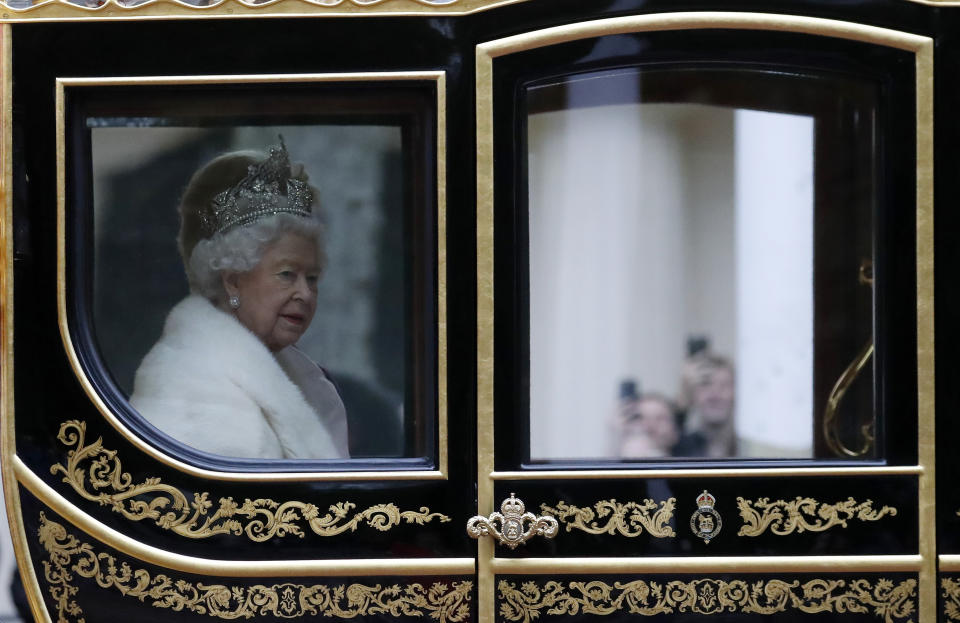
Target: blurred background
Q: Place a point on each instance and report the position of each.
(667, 242)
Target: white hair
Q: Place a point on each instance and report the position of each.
(240, 250)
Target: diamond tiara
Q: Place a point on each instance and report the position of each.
(267, 189)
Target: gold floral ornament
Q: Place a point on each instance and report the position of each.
(629, 518)
(96, 474)
(782, 517)
(67, 557)
(951, 598)
(894, 603)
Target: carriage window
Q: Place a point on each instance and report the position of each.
(701, 265)
(252, 288)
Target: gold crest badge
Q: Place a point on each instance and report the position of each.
(705, 522)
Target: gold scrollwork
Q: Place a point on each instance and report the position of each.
(783, 517)
(67, 556)
(951, 598)
(96, 474)
(628, 518)
(831, 433)
(893, 602)
(92, 5)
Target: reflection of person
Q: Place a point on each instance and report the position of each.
(225, 376)
(648, 427)
(708, 387)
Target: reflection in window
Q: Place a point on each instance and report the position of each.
(680, 267)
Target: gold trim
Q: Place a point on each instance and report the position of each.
(8, 432)
(441, 216)
(440, 78)
(893, 602)
(67, 556)
(696, 20)
(486, 591)
(114, 10)
(922, 47)
(926, 368)
(630, 519)
(236, 568)
(783, 517)
(368, 76)
(722, 472)
(949, 562)
(709, 564)
(99, 468)
(951, 598)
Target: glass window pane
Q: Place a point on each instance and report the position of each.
(700, 265)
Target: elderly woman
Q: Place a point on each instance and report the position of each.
(226, 376)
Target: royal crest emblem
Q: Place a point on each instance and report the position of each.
(516, 525)
(705, 521)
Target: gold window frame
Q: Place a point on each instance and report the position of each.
(924, 563)
(439, 78)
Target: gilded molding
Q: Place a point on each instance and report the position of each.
(629, 519)
(951, 598)
(67, 557)
(64, 85)
(206, 4)
(892, 602)
(132, 9)
(96, 474)
(782, 517)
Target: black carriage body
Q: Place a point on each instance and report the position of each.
(113, 519)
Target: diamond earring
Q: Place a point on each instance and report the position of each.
(234, 302)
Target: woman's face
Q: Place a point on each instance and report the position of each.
(658, 420)
(279, 296)
(713, 396)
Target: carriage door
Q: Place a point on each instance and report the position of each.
(695, 330)
(114, 517)
(704, 249)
